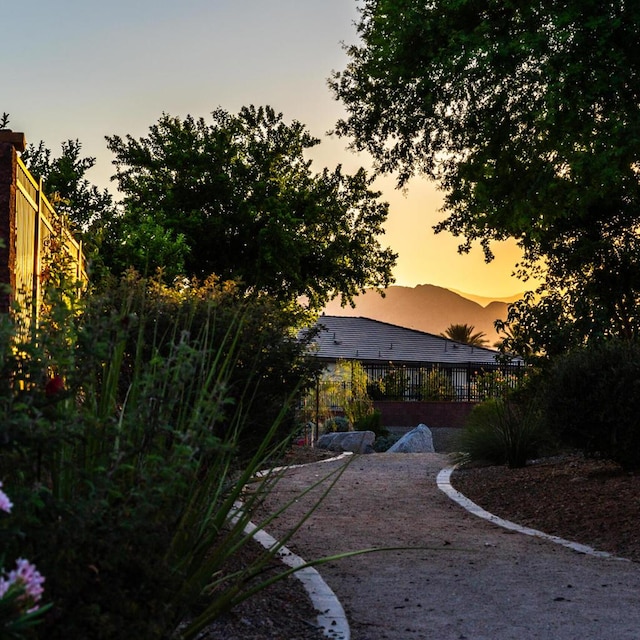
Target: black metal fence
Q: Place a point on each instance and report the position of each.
(466, 382)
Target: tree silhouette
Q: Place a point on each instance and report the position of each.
(464, 333)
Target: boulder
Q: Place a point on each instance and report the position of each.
(418, 440)
(355, 441)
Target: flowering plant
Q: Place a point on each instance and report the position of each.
(20, 591)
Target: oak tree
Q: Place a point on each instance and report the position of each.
(238, 198)
(528, 115)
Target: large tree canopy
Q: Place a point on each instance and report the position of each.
(528, 114)
(237, 198)
(66, 185)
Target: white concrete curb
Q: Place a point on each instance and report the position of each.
(332, 618)
(444, 484)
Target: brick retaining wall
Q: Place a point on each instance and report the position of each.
(433, 414)
(8, 164)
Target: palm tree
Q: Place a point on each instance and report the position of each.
(464, 333)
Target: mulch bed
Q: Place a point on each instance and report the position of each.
(585, 500)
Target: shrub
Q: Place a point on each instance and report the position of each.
(491, 384)
(337, 423)
(372, 422)
(392, 386)
(383, 443)
(592, 401)
(130, 423)
(502, 431)
(436, 385)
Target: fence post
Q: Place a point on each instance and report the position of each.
(10, 144)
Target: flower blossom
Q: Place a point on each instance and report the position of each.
(54, 386)
(27, 577)
(5, 504)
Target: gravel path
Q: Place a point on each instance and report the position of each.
(463, 578)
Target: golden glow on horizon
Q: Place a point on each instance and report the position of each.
(282, 63)
(427, 258)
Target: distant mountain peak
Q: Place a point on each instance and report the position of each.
(427, 307)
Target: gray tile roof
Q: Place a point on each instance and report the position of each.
(367, 340)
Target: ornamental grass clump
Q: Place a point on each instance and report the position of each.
(502, 431)
(131, 423)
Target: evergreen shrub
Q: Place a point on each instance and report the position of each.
(592, 400)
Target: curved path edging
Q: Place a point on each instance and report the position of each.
(443, 481)
(331, 617)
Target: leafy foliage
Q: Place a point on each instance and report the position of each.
(436, 385)
(82, 206)
(66, 186)
(591, 400)
(336, 423)
(238, 199)
(528, 115)
(392, 385)
(130, 423)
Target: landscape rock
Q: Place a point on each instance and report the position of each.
(354, 441)
(418, 440)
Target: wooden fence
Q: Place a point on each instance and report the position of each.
(27, 231)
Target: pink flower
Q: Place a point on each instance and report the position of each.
(5, 504)
(27, 577)
(32, 579)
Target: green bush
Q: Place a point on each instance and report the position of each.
(502, 431)
(592, 401)
(392, 386)
(372, 422)
(436, 385)
(336, 423)
(130, 423)
(385, 442)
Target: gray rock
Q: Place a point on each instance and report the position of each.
(418, 440)
(355, 441)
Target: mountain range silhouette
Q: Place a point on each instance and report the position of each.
(427, 307)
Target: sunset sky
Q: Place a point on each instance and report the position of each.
(81, 69)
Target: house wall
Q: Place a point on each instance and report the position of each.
(432, 414)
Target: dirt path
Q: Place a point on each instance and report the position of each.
(465, 578)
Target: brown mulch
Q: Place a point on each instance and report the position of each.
(590, 501)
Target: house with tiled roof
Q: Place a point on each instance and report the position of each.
(371, 341)
(413, 368)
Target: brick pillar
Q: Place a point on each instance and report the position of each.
(10, 144)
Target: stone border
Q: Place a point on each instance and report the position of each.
(443, 481)
(331, 617)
